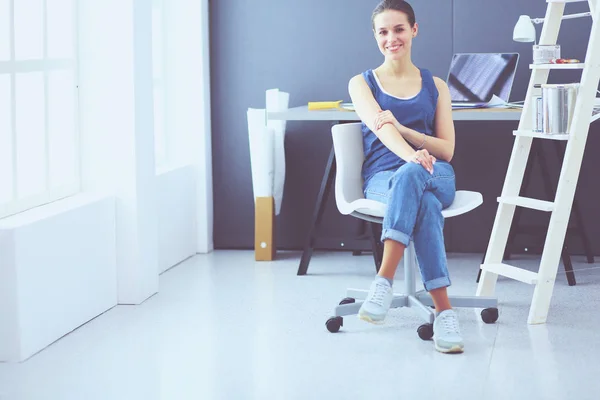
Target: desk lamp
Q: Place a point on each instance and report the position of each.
(525, 31)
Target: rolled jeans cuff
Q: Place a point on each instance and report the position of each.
(396, 236)
(437, 283)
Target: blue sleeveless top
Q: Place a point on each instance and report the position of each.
(416, 113)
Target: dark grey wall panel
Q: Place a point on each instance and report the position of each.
(310, 49)
(487, 27)
(483, 149)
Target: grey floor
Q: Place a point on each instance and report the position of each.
(226, 327)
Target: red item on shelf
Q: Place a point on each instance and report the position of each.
(565, 61)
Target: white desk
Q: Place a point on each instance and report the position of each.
(303, 114)
(480, 114)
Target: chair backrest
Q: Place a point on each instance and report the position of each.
(349, 157)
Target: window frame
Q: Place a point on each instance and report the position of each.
(160, 83)
(44, 65)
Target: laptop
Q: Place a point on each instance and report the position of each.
(474, 78)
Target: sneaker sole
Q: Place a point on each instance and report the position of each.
(370, 320)
(452, 350)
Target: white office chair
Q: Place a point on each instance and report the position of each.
(350, 200)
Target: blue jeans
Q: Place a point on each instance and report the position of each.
(415, 201)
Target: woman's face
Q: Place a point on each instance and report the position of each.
(394, 34)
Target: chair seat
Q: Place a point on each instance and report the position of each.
(372, 210)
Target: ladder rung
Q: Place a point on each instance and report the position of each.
(515, 273)
(542, 135)
(527, 202)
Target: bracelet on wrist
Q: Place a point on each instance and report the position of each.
(422, 144)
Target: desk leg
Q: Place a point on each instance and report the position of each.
(537, 151)
(363, 232)
(566, 258)
(514, 227)
(517, 216)
(560, 151)
(376, 244)
(326, 184)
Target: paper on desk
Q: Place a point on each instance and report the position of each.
(277, 101)
(261, 140)
(495, 101)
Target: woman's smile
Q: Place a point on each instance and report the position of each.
(394, 48)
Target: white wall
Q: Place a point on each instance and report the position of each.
(58, 263)
(51, 255)
(57, 271)
(116, 102)
(117, 141)
(188, 103)
(176, 226)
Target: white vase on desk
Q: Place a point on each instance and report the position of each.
(277, 101)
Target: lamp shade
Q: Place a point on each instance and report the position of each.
(524, 30)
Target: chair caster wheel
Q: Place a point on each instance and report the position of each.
(347, 300)
(333, 324)
(425, 331)
(489, 315)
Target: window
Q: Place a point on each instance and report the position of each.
(159, 74)
(39, 157)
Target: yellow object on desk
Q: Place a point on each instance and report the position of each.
(329, 105)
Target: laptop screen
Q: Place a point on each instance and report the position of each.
(475, 77)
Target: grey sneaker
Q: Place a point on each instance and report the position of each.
(378, 302)
(446, 333)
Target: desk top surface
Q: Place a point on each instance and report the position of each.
(473, 114)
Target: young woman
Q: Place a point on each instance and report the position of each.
(408, 137)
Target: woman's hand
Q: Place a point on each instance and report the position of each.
(386, 117)
(425, 159)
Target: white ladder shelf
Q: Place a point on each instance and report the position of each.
(560, 208)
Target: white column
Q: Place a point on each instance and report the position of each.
(204, 165)
(117, 140)
(188, 103)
